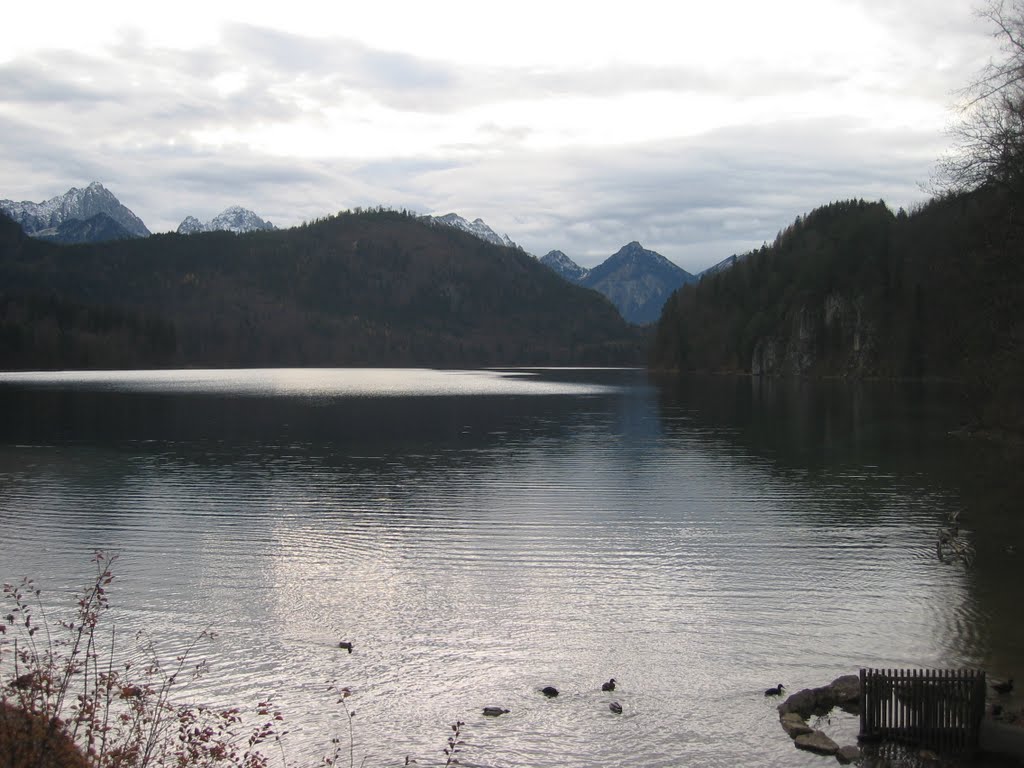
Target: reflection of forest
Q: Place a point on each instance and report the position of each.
(902, 429)
(217, 427)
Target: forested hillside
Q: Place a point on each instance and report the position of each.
(360, 288)
(853, 289)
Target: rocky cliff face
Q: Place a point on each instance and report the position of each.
(836, 336)
(96, 229)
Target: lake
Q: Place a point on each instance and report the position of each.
(478, 535)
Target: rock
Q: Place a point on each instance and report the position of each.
(816, 742)
(848, 754)
(845, 692)
(804, 703)
(794, 725)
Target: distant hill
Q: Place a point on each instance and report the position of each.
(55, 218)
(373, 288)
(234, 219)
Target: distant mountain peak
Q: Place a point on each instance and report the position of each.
(59, 213)
(564, 266)
(638, 281)
(635, 250)
(477, 228)
(234, 218)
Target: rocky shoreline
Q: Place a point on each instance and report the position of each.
(844, 693)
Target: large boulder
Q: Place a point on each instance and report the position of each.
(843, 692)
(794, 725)
(816, 742)
(848, 754)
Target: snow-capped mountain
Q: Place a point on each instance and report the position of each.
(234, 219)
(564, 266)
(477, 228)
(44, 219)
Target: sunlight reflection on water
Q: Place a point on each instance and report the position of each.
(312, 382)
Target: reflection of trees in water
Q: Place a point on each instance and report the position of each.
(896, 431)
(813, 424)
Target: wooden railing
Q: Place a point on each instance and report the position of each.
(938, 709)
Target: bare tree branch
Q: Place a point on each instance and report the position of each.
(989, 138)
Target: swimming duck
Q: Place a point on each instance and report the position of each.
(615, 707)
(494, 711)
(609, 686)
(549, 691)
(776, 691)
(1003, 687)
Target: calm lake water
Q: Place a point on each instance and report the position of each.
(481, 534)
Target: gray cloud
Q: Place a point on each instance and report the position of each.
(695, 201)
(129, 118)
(326, 68)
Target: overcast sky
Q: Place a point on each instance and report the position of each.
(698, 129)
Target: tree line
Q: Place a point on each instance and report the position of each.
(375, 287)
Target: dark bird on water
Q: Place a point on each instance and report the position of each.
(615, 707)
(494, 711)
(1003, 687)
(776, 691)
(609, 686)
(345, 645)
(549, 691)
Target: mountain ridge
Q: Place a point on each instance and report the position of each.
(75, 204)
(234, 218)
(478, 228)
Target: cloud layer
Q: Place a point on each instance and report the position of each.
(699, 136)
